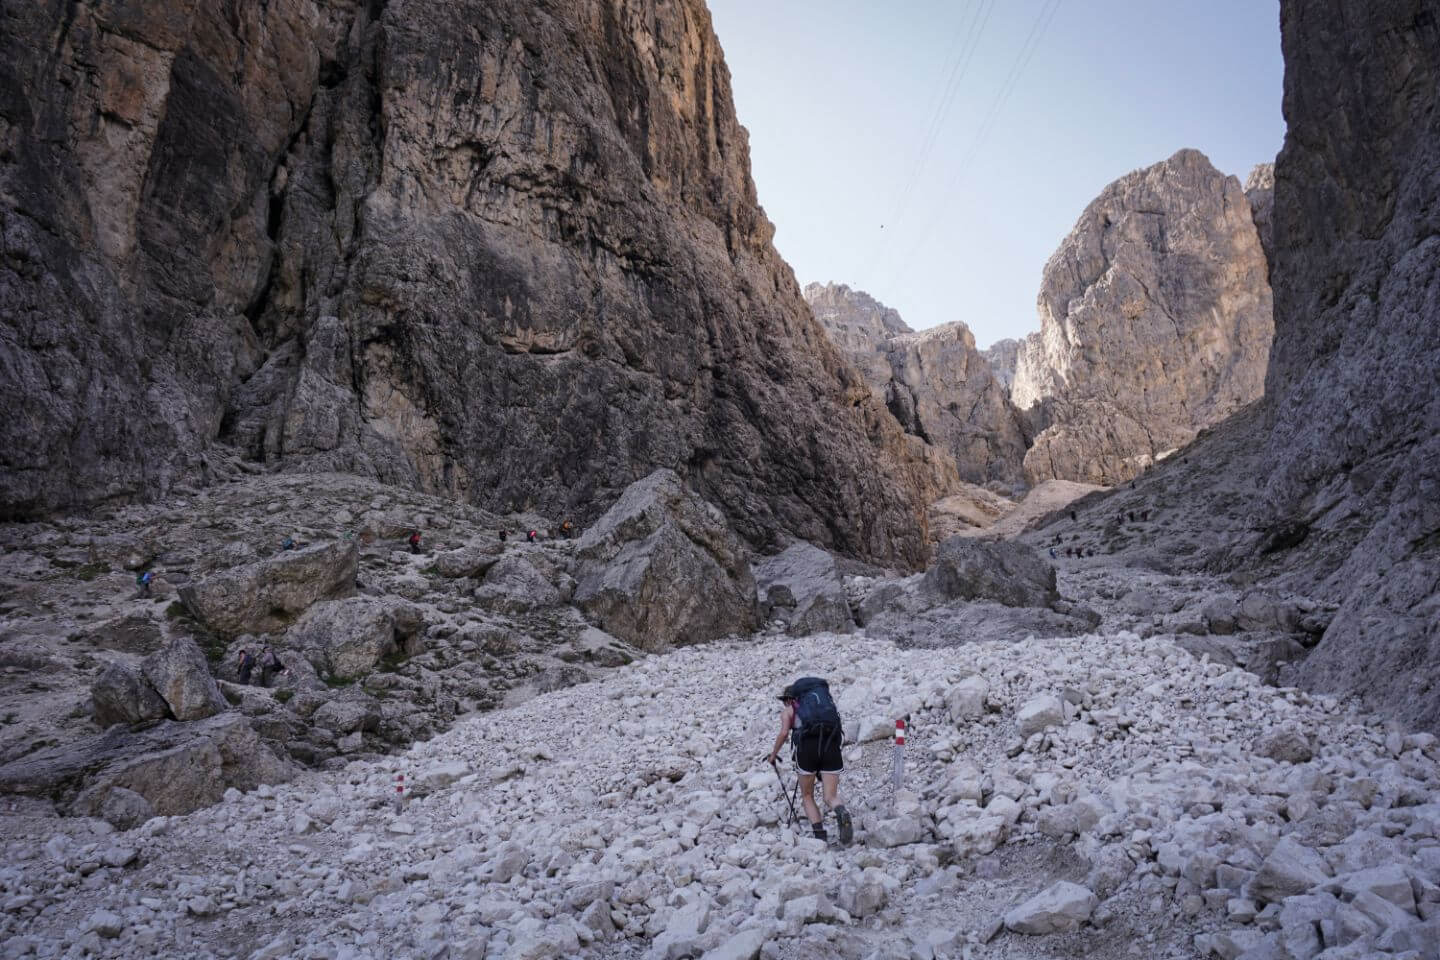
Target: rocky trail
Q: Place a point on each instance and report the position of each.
(1104, 795)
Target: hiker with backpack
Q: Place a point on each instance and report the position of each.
(247, 664)
(812, 722)
(270, 666)
(143, 581)
(415, 542)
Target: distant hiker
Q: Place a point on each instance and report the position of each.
(1052, 553)
(247, 664)
(530, 536)
(143, 581)
(567, 529)
(288, 544)
(415, 542)
(1073, 518)
(270, 666)
(503, 535)
(811, 721)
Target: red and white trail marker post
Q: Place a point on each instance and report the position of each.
(897, 763)
(399, 791)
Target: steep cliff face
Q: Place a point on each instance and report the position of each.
(1155, 321)
(936, 385)
(504, 251)
(1354, 381)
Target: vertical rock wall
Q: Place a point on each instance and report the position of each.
(504, 251)
(1354, 382)
(1155, 322)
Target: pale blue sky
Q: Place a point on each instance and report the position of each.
(838, 96)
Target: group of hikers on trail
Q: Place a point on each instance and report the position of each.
(811, 721)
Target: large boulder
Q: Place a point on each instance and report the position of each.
(181, 676)
(122, 695)
(1155, 322)
(1003, 571)
(269, 595)
(663, 567)
(348, 638)
(173, 767)
(802, 586)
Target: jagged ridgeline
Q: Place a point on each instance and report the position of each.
(504, 252)
(1155, 323)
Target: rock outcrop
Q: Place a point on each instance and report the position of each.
(1155, 321)
(433, 244)
(1260, 191)
(1003, 355)
(173, 767)
(935, 383)
(662, 568)
(1353, 449)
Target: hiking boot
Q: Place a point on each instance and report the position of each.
(847, 829)
(820, 833)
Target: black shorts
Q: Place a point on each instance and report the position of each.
(819, 752)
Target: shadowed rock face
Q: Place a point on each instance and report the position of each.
(1155, 321)
(935, 383)
(501, 251)
(1353, 395)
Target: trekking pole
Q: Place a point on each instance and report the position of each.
(794, 818)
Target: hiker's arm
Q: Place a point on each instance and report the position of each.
(787, 718)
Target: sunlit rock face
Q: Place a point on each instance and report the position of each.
(935, 383)
(1155, 322)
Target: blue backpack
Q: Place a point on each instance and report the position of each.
(814, 708)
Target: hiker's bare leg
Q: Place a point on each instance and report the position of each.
(807, 796)
(830, 786)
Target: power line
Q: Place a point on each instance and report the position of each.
(1023, 58)
(960, 66)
